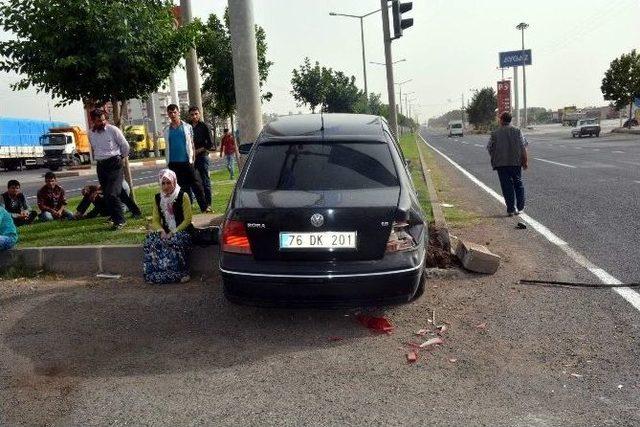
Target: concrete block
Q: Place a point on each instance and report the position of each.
(477, 258)
(121, 259)
(203, 220)
(27, 257)
(72, 260)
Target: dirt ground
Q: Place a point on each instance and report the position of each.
(90, 351)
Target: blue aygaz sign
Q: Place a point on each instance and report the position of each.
(515, 58)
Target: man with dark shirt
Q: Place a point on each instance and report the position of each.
(51, 200)
(16, 204)
(202, 143)
(508, 150)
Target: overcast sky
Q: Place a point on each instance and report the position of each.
(451, 49)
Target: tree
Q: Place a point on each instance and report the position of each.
(372, 105)
(216, 63)
(621, 83)
(92, 51)
(341, 94)
(333, 90)
(310, 84)
(482, 109)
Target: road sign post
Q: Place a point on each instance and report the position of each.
(504, 96)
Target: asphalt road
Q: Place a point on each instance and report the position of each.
(586, 191)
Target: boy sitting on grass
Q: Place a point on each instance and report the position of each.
(16, 204)
(51, 200)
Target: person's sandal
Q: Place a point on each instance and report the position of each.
(185, 279)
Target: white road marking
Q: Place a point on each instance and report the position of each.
(637, 182)
(631, 296)
(618, 152)
(578, 148)
(465, 143)
(477, 145)
(556, 163)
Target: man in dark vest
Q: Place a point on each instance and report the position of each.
(508, 151)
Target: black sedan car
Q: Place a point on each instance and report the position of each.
(324, 213)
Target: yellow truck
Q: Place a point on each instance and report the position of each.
(140, 142)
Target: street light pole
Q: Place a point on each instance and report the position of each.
(400, 88)
(523, 26)
(364, 61)
(364, 58)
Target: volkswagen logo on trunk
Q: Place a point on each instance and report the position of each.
(317, 220)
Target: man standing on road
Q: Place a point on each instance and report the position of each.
(181, 155)
(109, 148)
(508, 151)
(203, 144)
(228, 150)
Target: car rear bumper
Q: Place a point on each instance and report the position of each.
(351, 284)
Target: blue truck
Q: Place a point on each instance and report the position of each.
(20, 143)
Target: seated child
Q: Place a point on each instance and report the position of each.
(16, 204)
(51, 200)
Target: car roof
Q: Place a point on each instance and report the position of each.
(324, 127)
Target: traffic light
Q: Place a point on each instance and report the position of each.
(399, 24)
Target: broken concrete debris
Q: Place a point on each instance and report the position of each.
(477, 258)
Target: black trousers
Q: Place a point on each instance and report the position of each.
(110, 175)
(189, 181)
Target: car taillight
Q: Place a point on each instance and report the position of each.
(234, 238)
(399, 238)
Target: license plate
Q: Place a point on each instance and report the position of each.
(321, 240)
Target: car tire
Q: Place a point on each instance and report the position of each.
(598, 135)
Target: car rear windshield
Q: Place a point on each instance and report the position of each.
(456, 126)
(321, 166)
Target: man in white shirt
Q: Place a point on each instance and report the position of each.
(109, 148)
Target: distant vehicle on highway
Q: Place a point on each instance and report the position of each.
(324, 212)
(586, 127)
(455, 128)
(20, 144)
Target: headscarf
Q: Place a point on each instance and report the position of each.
(167, 200)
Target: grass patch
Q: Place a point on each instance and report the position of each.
(410, 151)
(96, 231)
(455, 216)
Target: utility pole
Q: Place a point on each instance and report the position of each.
(193, 75)
(245, 69)
(515, 95)
(388, 59)
(151, 113)
(523, 26)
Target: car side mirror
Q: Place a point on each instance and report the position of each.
(245, 148)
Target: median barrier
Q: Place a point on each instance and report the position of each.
(76, 261)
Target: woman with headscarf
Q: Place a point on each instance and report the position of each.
(166, 245)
